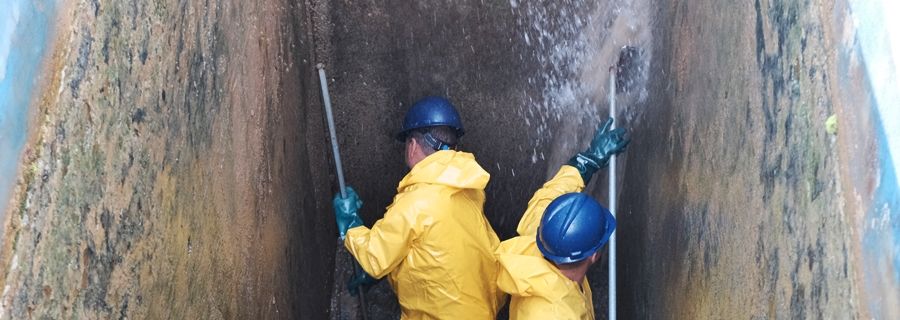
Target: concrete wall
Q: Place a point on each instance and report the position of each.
(385, 55)
(180, 165)
(174, 168)
(732, 202)
(732, 196)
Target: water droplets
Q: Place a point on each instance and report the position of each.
(574, 43)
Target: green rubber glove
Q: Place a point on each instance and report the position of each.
(605, 144)
(346, 211)
(360, 280)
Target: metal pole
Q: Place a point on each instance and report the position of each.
(612, 199)
(334, 143)
(323, 81)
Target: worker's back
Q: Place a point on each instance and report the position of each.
(448, 269)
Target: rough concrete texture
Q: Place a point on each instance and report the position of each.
(384, 55)
(180, 167)
(513, 71)
(732, 199)
(174, 168)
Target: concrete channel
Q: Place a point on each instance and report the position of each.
(176, 161)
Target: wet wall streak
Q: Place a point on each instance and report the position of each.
(730, 210)
(173, 172)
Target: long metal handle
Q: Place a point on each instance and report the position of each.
(323, 81)
(334, 143)
(612, 199)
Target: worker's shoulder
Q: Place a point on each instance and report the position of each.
(427, 198)
(427, 192)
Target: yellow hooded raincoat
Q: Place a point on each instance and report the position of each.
(538, 289)
(434, 243)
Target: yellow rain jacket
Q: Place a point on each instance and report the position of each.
(434, 242)
(537, 288)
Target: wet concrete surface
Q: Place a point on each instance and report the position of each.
(180, 167)
(174, 168)
(384, 55)
(733, 207)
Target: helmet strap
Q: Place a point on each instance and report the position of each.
(435, 143)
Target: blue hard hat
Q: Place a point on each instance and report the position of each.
(430, 112)
(573, 228)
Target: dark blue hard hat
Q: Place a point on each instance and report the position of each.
(573, 228)
(430, 112)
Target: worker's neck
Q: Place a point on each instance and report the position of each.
(415, 159)
(574, 273)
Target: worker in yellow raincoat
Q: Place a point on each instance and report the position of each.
(433, 243)
(560, 237)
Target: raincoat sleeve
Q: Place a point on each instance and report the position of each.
(380, 249)
(567, 180)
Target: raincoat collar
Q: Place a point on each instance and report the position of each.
(447, 167)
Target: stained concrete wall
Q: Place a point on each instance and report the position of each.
(383, 56)
(732, 197)
(174, 168)
(180, 166)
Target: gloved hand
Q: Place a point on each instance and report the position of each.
(605, 144)
(360, 280)
(346, 211)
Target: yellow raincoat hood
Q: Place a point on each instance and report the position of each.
(434, 243)
(449, 168)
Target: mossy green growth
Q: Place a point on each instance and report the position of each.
(831, 124)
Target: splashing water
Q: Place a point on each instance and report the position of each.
(575, 43)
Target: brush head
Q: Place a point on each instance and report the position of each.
(628, 68)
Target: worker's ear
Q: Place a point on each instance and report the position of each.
(411, 147)
(595, 257)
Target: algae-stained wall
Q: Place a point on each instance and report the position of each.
(175, 168)
(732, 201)
(180, 167)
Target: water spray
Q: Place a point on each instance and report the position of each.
(323, 81)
